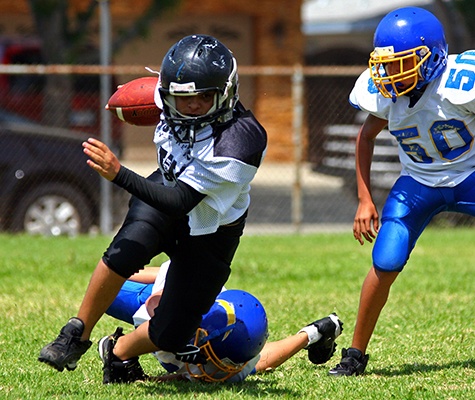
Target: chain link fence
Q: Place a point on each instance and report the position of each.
(305, 184)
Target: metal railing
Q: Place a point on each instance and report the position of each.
(298, 194)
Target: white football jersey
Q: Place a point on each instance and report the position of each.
(216, 165)
(436, 135)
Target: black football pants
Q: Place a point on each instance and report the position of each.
(200, 266)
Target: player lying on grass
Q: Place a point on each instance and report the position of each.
(232, 335)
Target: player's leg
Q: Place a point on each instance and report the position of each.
(114, 369)
(199, 268)
(409, 208)
(374, 295)
(464, 196)
(140, 238)
(130, 298)
(136, 243)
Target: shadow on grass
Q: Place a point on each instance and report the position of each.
(253, 388)
(409, 369)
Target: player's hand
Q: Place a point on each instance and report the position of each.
(190, 354)
(366, 223)
(101, 158)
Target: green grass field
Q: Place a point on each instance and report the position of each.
(423, 346)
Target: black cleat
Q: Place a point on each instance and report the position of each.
(353, 363)
(116, 370)
(66, 350)
(330, 328)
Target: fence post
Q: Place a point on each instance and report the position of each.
(297, 128)
(105, 56)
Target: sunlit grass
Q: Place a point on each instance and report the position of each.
(423, 346)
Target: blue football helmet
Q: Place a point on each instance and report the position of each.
(412, 40)
(193, 65)
(233, 332)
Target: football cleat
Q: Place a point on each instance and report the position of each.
(66, 350)
(353, 362)
(116, 370)
(323, 349)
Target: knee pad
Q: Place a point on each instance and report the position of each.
(144, 234)
(392, 247)
(132, 249)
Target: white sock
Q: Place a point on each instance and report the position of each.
(312, 333)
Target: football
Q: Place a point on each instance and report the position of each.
(133, 102)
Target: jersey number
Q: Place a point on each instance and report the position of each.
(462, 79)
(450, 138)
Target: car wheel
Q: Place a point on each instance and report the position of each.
(52, 209)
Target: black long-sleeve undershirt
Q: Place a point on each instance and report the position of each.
(178, 200)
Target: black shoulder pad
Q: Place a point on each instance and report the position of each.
(244, 138)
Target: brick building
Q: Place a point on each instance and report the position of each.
(267, 32)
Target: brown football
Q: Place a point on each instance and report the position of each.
(133, 102)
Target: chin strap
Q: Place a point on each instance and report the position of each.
(191, 135)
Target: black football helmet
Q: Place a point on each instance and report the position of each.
(196, 64)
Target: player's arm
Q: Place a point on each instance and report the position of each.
(276, 353)
(146, 275)
(366, 217)
(177, 200)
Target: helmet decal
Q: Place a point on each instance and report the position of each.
(229, 308)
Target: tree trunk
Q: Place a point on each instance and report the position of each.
(50, 17)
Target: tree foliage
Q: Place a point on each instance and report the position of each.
(467, 9)
(69, 35)
(67, 39)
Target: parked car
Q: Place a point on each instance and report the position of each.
(46, 186)
(25, 94)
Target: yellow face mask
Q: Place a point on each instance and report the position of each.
(396, 74)
(215, 370)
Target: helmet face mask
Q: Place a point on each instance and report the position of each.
(232, 333)
(405, 64)
(410, 51)
(216, 369)
(179, 118)
(197, 64)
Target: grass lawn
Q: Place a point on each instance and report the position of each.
(423, 346)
